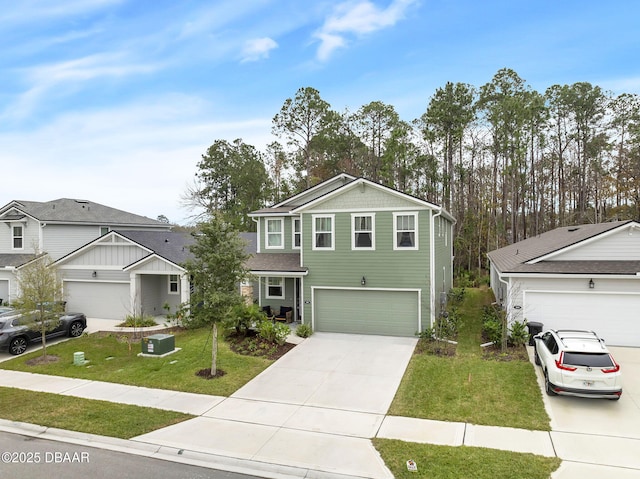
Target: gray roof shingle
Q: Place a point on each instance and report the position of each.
(513, 258)
(276, 262)
(171, 245)
(67, 210)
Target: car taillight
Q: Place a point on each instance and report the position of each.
(559, 364)
(614, 369)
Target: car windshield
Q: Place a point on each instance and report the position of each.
(593, 360)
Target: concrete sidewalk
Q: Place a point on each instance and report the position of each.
(301, 419)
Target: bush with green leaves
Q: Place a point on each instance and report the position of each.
(456, 295)
(304, 330)
(519, 334)
(243, 317)
(133, 321)
(273, 332)
(492, 324)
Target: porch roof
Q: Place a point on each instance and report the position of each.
(15, 259)
(276, 263)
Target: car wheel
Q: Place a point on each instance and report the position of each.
(75, 330)
(536, 358)
(18, 346)
(547, 386)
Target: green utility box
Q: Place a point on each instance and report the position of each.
(158, 344)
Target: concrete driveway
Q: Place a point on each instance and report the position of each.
(598, 431)
(315, 408)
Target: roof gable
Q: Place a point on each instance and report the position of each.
(316, 191)
(544, 247)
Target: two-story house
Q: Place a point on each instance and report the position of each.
(112, 262)
(351, 255)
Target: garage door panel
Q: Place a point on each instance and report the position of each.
(612, 316)
(389, 313)
(98, 300)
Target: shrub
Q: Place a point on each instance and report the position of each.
(456, 295)
(244, 317)
(132, 321)
(492, 324)
(519, 334)
(273, 332)
(304, 330)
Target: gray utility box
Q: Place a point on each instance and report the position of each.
(158, 344)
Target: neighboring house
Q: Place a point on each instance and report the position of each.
(55, 227)
(351, 255)
(127, 273)
(576, 277)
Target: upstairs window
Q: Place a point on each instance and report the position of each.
(297, 233)
(323, 234)
(363, 232)
(405, 231)
(104, 230)
(17, 237)
(275, 238)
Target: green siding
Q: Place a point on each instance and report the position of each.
(288, 235)
(366, 311)
(382, 268)
(358, 197)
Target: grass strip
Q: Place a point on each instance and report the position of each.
(113, 359)
(84, 415)
(447, 462)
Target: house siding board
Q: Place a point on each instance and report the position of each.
(30, 238)
(154, 294)
(620, 246)
(382, 268)
(4, 290)
(108, 255)
(289, 299)
(158, 265)
(359, 198)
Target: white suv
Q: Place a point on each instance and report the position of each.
(577, 363)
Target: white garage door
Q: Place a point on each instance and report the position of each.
(98, 300)
(615, 317)
(382, 312)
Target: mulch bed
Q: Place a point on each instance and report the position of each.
(206, 373)
(512, 353)
(254, 345)
(437, 348)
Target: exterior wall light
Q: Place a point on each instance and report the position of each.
(591, 284)
(94, 274)
(363, 281)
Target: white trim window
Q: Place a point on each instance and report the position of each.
(296, 233)
(17, 237)
(323, 232)
(274, 235)
(104, 230)
(275, 288)
(174, 284)
(405, 231)
(363, 228)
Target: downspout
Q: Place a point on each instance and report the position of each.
(432, 272)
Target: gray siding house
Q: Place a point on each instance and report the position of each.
(127, 272)
(575, 277)
(350, 255)
(56, 227)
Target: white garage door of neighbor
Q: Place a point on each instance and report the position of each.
(98, 300)
(614, 317)
(382, 312)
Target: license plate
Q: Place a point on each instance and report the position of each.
(587, 384)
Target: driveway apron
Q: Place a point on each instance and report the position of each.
(316, 407)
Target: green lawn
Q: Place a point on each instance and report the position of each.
(83, 415)
(468, 388)
(445, 462)
(111, 360)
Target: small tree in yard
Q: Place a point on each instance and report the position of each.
(216, 270)
(39, 296)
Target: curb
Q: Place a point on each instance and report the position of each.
(154, 451)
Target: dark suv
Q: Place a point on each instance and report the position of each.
(15, 334)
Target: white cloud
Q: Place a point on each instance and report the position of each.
(357, 18)
(258, 49)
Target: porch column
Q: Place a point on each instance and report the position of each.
(134, 288)
(185, 292)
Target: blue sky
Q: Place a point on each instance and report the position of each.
(114, 101)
